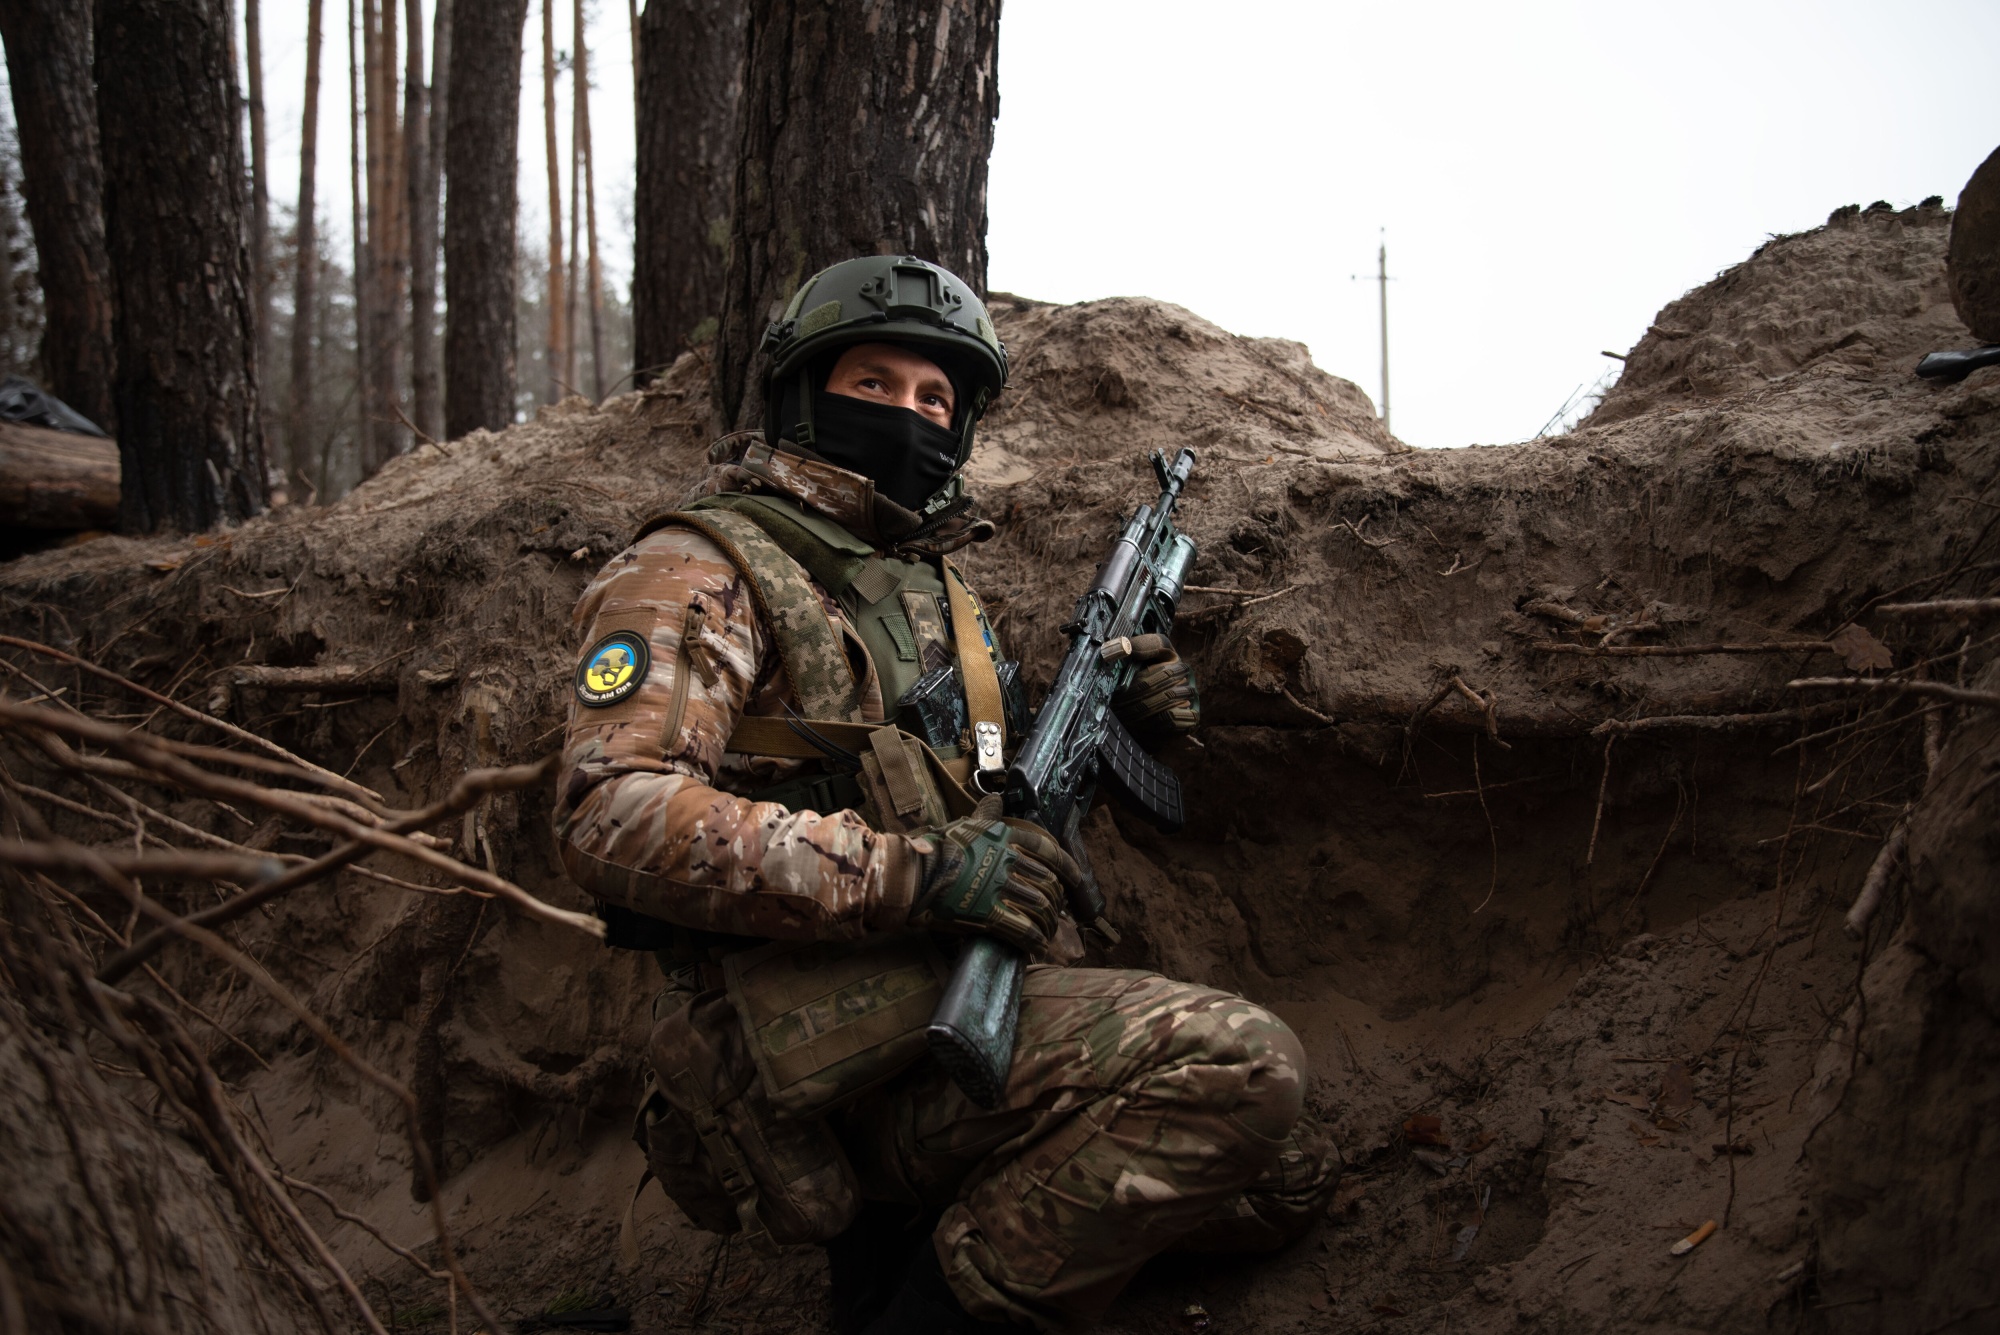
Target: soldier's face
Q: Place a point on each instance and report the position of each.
(885, 373)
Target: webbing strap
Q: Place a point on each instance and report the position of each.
(770, 735)
(975, 661)
(814, 661)
(628, 1233)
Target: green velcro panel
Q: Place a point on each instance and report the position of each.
(899, 630)
(818, 318)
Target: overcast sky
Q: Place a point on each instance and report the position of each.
(1547, 175)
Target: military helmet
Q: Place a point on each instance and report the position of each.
(884, 299)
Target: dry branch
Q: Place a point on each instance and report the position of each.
(1617, 727)
(1935, 689)
(228, 729)
(1877, 881)
(1680, 650)
(334, 677)
(1943, 607)
(468, 790)
(143, 751)
(61, 855)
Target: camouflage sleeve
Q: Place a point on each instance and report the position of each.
(639, 817)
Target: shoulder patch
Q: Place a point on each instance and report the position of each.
(612, 669)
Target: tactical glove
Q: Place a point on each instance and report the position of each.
(1160, 703)
(998, 877)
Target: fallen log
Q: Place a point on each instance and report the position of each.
(54, 480)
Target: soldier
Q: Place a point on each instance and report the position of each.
(773, 799)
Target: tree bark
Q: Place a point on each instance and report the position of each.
(260, 190)
(185, 394)
(689, 90)
(580, 91)
(866, 130)
(481, 164)
(305, 261)
(555, 266)
(359, 201)
(575, 270)
(48, 66)
(426, 380)
(422, 214)
(388, 242)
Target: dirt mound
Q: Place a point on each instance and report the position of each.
(1503, 802)
(1975, 252)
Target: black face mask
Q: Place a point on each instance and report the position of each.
(909, 456)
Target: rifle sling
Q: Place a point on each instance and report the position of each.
(976, 669)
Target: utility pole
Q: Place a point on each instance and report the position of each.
(1382, 286)
(1381, 281)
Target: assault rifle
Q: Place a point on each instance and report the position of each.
(1075, 742)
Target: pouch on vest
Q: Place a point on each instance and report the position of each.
(724, 1152)
(825, 1021)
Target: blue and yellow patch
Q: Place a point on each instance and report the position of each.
(612, 669)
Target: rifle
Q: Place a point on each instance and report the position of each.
(1075, 742)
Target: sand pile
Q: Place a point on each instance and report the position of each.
(1558, 919)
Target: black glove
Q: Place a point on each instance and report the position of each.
(1003, 878)
(1161, 702)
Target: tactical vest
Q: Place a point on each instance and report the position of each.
(743, 1149)
(938, 683)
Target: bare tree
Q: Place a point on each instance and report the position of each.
(190, 445)
(689, 89)
(865, 129)
(305, 261)
(481, 165)
(48, 68)
(422, 215)
(557, 331)
(580, 93)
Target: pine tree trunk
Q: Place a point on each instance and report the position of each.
(422, 206)
(555, 267)
(48, 66)
(306, 261)
(360, 270)
(189, 441)
(260, 199)
(580, 90)
(387, 244)
(481, 165)
(426, 379)
(575, 271)
(690, 83)
(866, 130)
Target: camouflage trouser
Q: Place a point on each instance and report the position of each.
(1141, 1114)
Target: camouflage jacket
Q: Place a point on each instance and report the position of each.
(661, 823)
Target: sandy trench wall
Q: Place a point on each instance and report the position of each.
(1404, 892)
